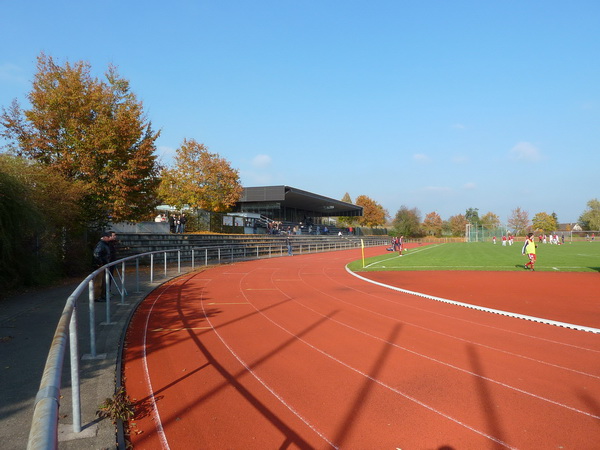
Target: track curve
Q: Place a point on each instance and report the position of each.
(297, 353)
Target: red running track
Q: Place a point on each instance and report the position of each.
(296, 352)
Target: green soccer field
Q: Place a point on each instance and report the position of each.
(571, 257)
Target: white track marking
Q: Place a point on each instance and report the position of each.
(418, 250)
(379, 382)
(262, 382)
(155, 414)
(479, 324)
(456, 337)
(452, 366)
(480, 308)
(462, 339)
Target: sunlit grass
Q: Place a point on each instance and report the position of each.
(570, 257)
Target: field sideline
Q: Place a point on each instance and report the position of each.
(570, 257)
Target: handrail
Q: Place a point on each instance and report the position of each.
(44, 428)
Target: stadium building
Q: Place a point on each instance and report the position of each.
(289, 204)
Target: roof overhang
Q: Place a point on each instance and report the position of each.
(290, 197)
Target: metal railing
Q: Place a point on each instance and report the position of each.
(44, 428)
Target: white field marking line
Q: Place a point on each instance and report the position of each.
(481, 308)
(155, 413)
(474, 323)
(452, 366)
(418, 250)
(430, 330)
(259, 379)
(382, 384)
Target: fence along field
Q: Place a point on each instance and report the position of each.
(577, 256)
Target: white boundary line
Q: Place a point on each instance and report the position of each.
(416, 250)
(155, 414)
(481, 308)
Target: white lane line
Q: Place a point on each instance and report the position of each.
(452, 366)
(381, 383)
(258, 378)
(418, 250)
(155, 414)
(480, 308)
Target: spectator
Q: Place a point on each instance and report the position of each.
(101, 258)
(172, 223)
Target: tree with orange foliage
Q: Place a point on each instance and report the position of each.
(432, 225)
(458, 225)
(200, 179)
(373, 213)
(90, 131)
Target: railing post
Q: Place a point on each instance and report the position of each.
(92, 307)
(151, 267)
(107, 294)
(137, 275)
(75, 384)
(206, 257)
(123, 283)
(178, 261)
(192, 259)
(165, 258)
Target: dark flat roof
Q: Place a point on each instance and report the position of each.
(291, 197)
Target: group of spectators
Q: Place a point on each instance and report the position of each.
(277, 228)
(176, 222)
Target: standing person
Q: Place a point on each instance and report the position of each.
(172, 223)
(503, 240)
(494, 240)
(182, 222)
(288, 243)
(113, 244)
(529, 250)
(400, 244)
(101, 257)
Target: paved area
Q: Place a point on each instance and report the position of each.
(27, 324)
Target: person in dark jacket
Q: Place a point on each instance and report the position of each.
(182, 222)
(101, 257)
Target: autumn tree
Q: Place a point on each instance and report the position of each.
(407, 222)
(373, 213)
(544, 222)
(472, 215)
(432, 225)
(91, 131)
(344, 221)
(518, 221)
(590, 219)
(490, 221)
(458, 225)
(200, 179)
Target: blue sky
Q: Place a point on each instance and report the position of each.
(438, 105)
